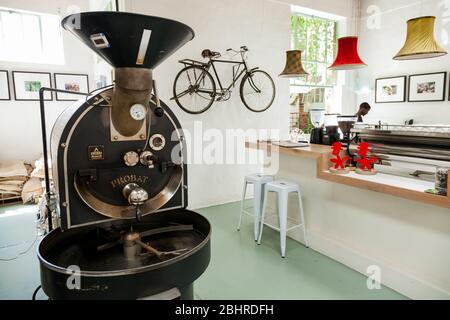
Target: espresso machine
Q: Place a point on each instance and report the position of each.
(120, 177)
(317, 119)
(416, 151)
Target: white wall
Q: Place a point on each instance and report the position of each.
(378, 46)
(20, 133)
(262, 25)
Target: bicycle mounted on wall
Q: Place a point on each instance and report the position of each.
(195, 89)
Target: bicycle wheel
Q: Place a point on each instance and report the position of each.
(257, 91)
(194, 90)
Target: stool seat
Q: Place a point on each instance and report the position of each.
(282, 185)
(283, 188)
(258, 178)
(259, 181)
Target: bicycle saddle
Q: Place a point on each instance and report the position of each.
(210, 54)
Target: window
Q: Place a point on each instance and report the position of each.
(316, 37)
(30, 37)
(105, 5)
(315, 33)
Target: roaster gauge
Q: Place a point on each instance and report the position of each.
(138, 112)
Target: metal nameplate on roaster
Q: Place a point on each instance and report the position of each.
(96, 153)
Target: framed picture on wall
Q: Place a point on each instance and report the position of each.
(449, 92)
(4, 85)
(71, 82)
(27, 85)
(390, 90)
(427, 87)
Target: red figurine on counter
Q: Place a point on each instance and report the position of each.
(339, 162)
(365, 163)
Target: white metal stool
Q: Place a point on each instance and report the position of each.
(283, 189)
(258, 181)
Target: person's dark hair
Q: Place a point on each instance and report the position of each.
(365, 105)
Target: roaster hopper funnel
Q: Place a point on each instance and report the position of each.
(128, 40)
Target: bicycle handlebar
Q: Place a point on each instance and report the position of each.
(243, 49)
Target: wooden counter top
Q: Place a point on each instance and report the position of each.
(313, 151)
(407, 188)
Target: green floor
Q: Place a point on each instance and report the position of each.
(239, 268)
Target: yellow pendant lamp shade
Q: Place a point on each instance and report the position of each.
(420, 42)
(294, 67)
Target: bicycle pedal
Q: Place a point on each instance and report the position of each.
(224, 97)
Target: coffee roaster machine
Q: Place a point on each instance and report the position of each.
(406, 150)
(120, 179)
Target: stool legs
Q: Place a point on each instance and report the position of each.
(263, 214)
(257, 208)
(282, 214)
(244, 191)
(302, 217)
(282, 204)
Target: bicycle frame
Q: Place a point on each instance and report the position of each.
(236, 76)
(203, 81)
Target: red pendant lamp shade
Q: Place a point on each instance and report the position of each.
(347, 57)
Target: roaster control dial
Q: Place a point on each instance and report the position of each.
(148, 159)
(131, 158)
(138, 112)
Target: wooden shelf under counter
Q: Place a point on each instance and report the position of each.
(403, 187)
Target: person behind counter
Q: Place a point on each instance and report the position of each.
(364, 109)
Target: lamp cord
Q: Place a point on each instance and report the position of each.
(356, 16)
(358, 21)
(352, 26)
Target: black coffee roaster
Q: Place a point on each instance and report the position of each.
(120, 177)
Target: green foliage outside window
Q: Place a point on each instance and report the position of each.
(316, 37)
